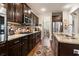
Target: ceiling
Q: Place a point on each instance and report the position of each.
(50, 7)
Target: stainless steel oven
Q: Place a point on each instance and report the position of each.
(3, 27)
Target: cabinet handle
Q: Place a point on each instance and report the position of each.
(16, 42)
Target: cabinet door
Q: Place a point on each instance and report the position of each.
(10, 12)
(24, 46)
(57, 17)
(15, 50)
(3, 50)
(18, 13)
(30, 42)
(37, 21)
(34, 40)
(14, 47)
(25, 10)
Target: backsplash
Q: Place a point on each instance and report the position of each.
(12, 27)
(16, 28)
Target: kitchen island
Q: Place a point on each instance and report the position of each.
(64, 45)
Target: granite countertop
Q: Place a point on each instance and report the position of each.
(63, 39)
(11, 37)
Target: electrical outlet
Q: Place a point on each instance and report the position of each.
(76, 51)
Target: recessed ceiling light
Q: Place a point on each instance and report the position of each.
(67, 6)
(43, 9)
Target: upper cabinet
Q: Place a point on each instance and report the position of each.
(10, 12)
(35, 20)
(21, 13)
(18, 12)
(27, 11)
(57, 16)
(14, 12)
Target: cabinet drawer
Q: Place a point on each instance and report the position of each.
(13, 42)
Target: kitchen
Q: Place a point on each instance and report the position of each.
(24, 26)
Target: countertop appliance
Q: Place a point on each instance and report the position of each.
(3, 24)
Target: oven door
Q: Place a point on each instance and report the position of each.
(2, 28)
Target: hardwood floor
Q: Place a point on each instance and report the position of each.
(33, 50)
(41, 50)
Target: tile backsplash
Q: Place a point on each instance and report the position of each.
(12, 27)
(16, 28)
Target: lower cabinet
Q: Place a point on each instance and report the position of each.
(14, 47)
(30, 42)
(24, 42)
(3, 50)
(64, 49)
(15, 50)
(20, 46)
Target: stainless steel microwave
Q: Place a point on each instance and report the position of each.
(27, 21)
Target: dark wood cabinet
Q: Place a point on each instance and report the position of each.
(35, 19)
(27, 10)
(34, 39)
(15, 12)
(18, 12)
(14, 47)
(57, 16)
(10, 12)
(66, 49)
(30, 41)
(38, 37)
(20, 46)
(3, 49)
(15, 50)
(24, 42)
